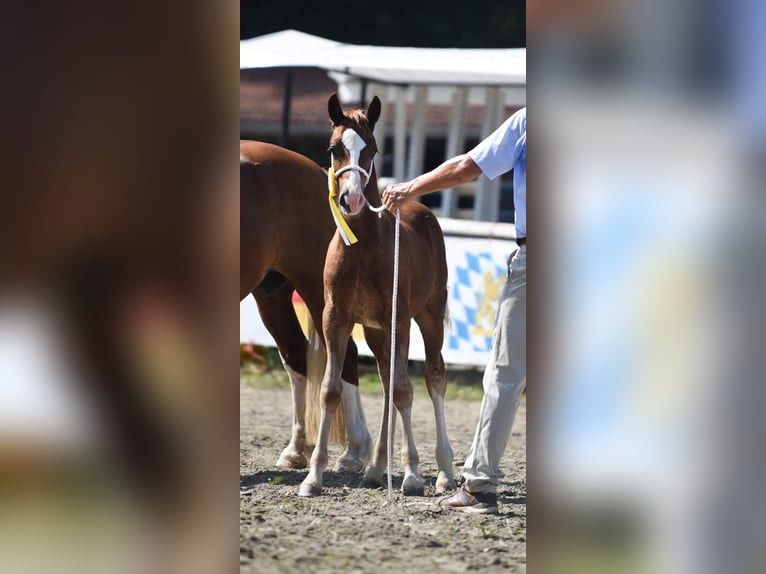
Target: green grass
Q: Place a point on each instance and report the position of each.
(462, 383)
(369, 383)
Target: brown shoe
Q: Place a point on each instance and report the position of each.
(473, 502)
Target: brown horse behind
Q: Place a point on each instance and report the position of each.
(285, 228)
(358, 287)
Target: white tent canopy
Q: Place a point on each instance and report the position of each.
(390, 65)
(492, 78)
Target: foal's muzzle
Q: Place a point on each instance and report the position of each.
(351, 203)
(351, 199)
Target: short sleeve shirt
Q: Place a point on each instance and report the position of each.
(505, 150)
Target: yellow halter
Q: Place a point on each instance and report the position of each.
(345, 231)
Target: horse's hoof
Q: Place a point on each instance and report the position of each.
(292, 459)
(365, 452)
(370, 480)
(412, 486)
(348, 464)
(309, 489)
(444, 484)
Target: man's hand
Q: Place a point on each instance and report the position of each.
(396, 195)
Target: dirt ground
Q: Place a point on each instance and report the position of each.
(354, 529)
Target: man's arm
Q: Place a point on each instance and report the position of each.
(452, 172)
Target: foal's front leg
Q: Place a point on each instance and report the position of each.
(332, 390)
(374, 475)
(412, 483)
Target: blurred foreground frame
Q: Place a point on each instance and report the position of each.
(119, 246)
(648, 125)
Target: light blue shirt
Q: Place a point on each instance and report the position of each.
(505, 150)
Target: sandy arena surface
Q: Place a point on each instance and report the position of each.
(354, 529)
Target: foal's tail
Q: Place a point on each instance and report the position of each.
(315, 366)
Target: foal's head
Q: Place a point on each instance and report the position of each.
(352, 149)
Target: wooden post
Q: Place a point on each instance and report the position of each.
(455, 144)
(381, 128)
(418, 133)
(400, 133)
(487, 201)
(287, 97)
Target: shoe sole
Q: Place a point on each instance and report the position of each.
(477, 510)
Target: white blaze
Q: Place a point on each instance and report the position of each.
(354, 144)
(353, 182)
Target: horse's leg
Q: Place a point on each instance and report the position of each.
(380, 344)
(359, 443)
(412, 483)
(431, 323)
(336, 332)
(377, 341)
(358, 440)
(279, 318)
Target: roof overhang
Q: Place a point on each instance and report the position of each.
(387, 65)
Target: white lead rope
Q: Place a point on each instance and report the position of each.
(379, 211)
(393, 356)
(394, 296)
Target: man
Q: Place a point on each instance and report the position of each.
(505, 376)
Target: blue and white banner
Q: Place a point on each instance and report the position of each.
(477, 272)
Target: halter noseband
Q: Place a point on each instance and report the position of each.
(358, 168)
(365, 173)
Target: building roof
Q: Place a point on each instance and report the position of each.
(261, 93)
(386, 64)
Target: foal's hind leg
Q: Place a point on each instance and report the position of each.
(278, 316)
(431, 323)
(359, 442)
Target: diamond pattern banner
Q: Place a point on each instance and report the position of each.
(473, 302)
(477, 270)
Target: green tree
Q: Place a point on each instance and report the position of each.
(427, 23)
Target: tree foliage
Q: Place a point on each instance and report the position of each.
(426, 23)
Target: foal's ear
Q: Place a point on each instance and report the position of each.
(373, 111)
(334, 110)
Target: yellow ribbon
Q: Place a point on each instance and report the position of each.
(345, 231)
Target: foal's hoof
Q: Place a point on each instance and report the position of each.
(309, 489)
(291, 459)
(371, 480)
(412, 486)
(367, 483)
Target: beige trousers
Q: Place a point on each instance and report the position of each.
(505, 378)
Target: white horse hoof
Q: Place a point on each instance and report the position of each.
(291, 459)
(412, 486)
(444, 483)
(309, 489)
